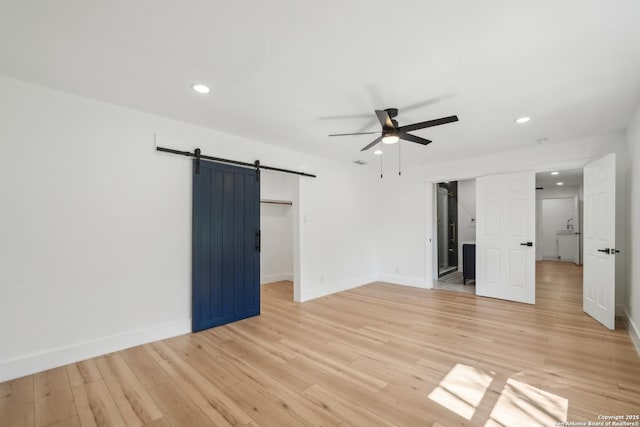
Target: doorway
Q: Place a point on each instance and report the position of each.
(278, 225)
(447, 227)
(559, 215)
(456, 235)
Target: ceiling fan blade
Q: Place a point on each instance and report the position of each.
(417, 105)
(375, 141)
(357, 133)
(428, 124)
(384, 119)
(413, 138)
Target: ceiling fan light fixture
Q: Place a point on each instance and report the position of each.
(521, 120)
(391, 138)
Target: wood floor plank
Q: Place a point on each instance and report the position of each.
(83, 372)
(96, 406)
(53, 398)
(264, 412)
(211, 400)
(344, 409)
(51, 381)
(134, 402)
(179, 407)
(277, 388)
(378, 354)
(207, 358)
(20, 390)
(144, 367)
(73, 421)
(160, 422)
(54, 406)
(17, 414)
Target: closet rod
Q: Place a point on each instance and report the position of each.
(277, 202)
(233, 162)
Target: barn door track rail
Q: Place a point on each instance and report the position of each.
(197, 154)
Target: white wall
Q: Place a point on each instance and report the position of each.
(276, 225)
(403, 241)
(632, 301)
(466, 215)
(337, 231)
(95, 225)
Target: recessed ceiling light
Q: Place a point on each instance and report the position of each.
(377, 152)
(201, 88)
(555, 173)
(523, 120)
(559, 183)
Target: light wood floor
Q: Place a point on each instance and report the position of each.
(375, 355)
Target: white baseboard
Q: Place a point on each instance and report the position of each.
(313, 293)
(632, 328)
(404, 281)
(270, 278)
(38, 362)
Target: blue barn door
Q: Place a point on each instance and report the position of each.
(226, 244)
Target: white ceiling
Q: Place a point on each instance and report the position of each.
(570, 177)
(280, 71)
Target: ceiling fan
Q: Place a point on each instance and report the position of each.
(392, 133)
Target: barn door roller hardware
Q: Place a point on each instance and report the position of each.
(197, 154)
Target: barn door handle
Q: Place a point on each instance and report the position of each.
(526, 244)
(615, 251)
(258, 241)
(606, 251)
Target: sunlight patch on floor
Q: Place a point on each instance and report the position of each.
(462, 390)
(523, 404)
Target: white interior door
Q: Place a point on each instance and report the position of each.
(577, 227)
(505, 235)
(599, 240)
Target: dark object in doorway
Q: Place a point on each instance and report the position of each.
(468, 262)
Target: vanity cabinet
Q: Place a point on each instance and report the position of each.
(468, 262)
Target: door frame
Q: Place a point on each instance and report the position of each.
(431, 221)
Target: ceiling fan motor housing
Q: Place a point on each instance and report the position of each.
(392, 112)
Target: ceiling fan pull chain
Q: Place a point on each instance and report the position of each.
(380, 167)
(399, 159)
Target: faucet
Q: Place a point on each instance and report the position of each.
(569, 226)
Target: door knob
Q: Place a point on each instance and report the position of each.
(526, 244)
(606, 251)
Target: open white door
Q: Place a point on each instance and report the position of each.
(599, 277)
(505, 235)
